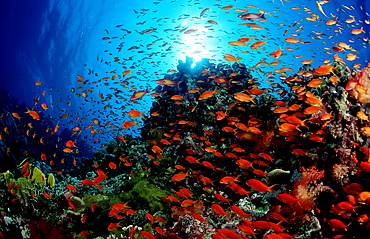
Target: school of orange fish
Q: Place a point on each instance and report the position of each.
(234, 152)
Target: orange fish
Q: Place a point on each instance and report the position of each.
(292, 40)
(207, 94)
(357, 31)
(33, 114)
(311, 110)
(243, 97)
(47, 196)
(208, 165)
(179, 176)
(44, 106)
(229, 179)
(232, 58)
(243, 163)
(25, 167)
(222, 198)
(337, 224)
(112, 165)
(239, 211)
(238, 43)
(138, 95)
(198, 217)
(87, 182)
(219, 210)
(286, 198)
(177, 97)
(186, 192)
(204, 11)
(16, 115)
(126, 72)
(227, 7)
(205, 180)
(226, 233)
(258, 44)
(276, 54)
(299, 151)
(286, 127)
(238, 189)
(128, 124)
(179, 167)
(84, 233)
(43, 157)
(192, 159)
(70, 144)
(166, 81)
(323, 70)
(150, 217)
(259, 186)
(147, 235)
(135, 113)
(113, 226)
(67, 150)
(212, 22)
(71, 187)
(187, 203)
(190, 31)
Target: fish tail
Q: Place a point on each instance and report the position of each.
(271, 189)
(177, 84)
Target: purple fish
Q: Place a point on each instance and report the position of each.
(250, 16)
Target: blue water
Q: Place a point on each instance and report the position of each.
(54, 41)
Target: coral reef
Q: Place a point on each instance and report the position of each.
(225, 157)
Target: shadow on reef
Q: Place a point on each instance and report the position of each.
(220, 156)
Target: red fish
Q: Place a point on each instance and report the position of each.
(83, 233)
(198, 217)
(286, 198)
(71, 187)
(226, 233)
(337, 224)
(47, 196)
(150, 217)
(259, 186)
(239, 211)
(112, 165)
(219, 210)
(87, 182)
(70, 144)
(179, 176)
(186, 192)
(229, 179)
(222, 198)
(71, 205)
(113, 226)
